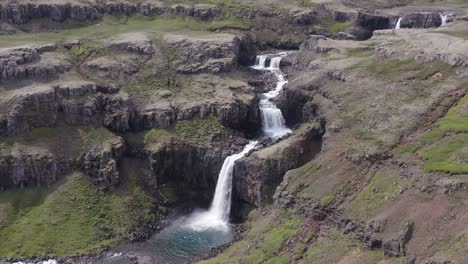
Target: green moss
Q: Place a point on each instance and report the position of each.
(327, 251)
(335, 26)
(278, 260)
(234, 23)
(201, 131)
(95, 136)
(81, 50)
(381, 191)
(168, 193)
(442, 148)
(392, 68)
(450, 155)
(360, 52)
(77, 218)
(156, 138)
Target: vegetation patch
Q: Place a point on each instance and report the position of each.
(443, 149)
(76, 218)
(381, 191)
(265, 243)
(196, 131)
(335, 26)
(328, 251)
(409, 69)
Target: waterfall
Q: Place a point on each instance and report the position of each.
(273, 123)
(274, 126)
(444, 19)
(398, 23)
(217, 216)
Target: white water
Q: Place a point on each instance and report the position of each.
(444, 19)
(398, 23)
(273, 123)
(217, 216)
(50, 261)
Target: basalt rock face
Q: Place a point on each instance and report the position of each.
(21, 13)
(31, 165)
(421, 20)
(31, 63)
(365, 24)
(192, 168)
(22, 167)
(81, 102)
(257, 176)
(101, 163)
(196, 55)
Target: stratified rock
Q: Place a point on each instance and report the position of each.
(100, 163)
(396, 247)
(27, 63)
(107, 67)
(24, 166)
(206, 11)
(365, 24)
(6, 29)
(257, 176)
(134, 42)
(304, 17)
(421, 20)
(213, 54)
(83, 103)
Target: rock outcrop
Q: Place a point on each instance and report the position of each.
(58, 11)
(257, 176)
(101, 163)
(202, 54)
(421, 20)
(83, 103)
(22, 166)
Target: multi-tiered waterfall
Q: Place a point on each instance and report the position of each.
(273, 124)
(197, 233)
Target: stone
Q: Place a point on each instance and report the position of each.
(421, 20)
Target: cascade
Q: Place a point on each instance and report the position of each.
(398, 24)
(273, 123)
(197, 233)
(444, 19)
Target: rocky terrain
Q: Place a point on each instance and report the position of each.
(113, 111)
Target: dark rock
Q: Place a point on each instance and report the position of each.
(396, 247)
(421, 20)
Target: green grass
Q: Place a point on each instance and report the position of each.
(335, 26)
(263, 244)
(77, 218)
(410, 69)
(450, 155)
(196, 131)
(233, 23)
(381, 191)
(108, 27)
(443, 148)
(327, 251)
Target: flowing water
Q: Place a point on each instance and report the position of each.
(398, 23)
(196, 234)
(444, 20)
(273, 123)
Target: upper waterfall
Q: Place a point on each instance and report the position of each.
(273, 123)
(398, 24)
(444, 19)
